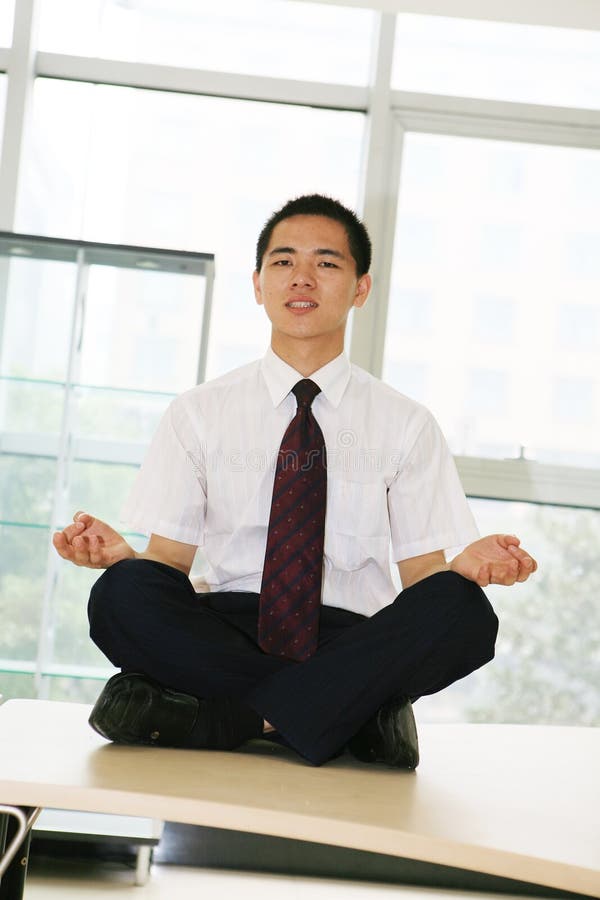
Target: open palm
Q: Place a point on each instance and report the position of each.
(495, 559)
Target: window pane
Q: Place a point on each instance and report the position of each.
(7, 8)
(23, 554)
(16, 685)
(494, 316)
(26, 489)
(497, 61)
(142, 329)
(270, 37)
(39, 308)
(547, 666)
(192, 173)
(71, 644)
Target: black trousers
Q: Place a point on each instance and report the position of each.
(146, 617)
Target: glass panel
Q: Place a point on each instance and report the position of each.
(31, 406)
(100, 488)
(7, 8)
(167, 170)
(75, 690)
(547, 667)
(494, 316)
(497, 61)
(268, 38)
(39, 308)
(23, 554)
(71, 641)
(142, 329)
(13, 686)
(118, 415)
(26, 489)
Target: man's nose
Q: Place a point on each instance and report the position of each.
(302, 277)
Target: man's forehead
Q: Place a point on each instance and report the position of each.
(309, 232)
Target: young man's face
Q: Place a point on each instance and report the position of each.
(308, 282)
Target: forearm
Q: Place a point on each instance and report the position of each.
(171, 553)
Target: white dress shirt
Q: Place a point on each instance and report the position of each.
(207, 478)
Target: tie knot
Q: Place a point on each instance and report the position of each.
(306, 391)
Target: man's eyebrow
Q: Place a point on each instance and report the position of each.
(320, 251)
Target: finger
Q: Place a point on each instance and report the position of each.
(84, 518)
(96, 550)
(527, 564)
(505, 573)
(508, 540)
(62, 547)
(72, 531)
(81, 552)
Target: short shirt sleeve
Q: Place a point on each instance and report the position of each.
(427, 506)
(168, 497)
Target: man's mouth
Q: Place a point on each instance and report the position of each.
(301, 304)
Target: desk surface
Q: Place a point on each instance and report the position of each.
(515, 801)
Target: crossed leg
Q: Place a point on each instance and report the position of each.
(146, 617)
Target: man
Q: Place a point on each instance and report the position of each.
(301, 637)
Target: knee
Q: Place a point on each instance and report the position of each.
(477, 613)
(105, 591)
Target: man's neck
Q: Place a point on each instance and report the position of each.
(304, 356)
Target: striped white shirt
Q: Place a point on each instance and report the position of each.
(207, 478)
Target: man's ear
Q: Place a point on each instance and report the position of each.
(256, 283)
(363, 289)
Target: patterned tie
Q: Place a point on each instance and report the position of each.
(290, 595)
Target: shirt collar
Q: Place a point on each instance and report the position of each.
(280, 377)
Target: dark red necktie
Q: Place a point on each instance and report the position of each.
(290, 594)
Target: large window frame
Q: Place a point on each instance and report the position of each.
(390, 116)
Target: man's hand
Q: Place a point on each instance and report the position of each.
(496, 559)
(92, 543)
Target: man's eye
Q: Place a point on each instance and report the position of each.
(328, 265)
(281, 262)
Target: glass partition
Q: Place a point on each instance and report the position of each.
(95, 341)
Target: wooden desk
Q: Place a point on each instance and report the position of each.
(520, 802)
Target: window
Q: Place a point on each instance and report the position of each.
(574, 401)
(548, 626)
(497, 61)
(305, 41)
(578, 327)
(189, 172)
(498, 268)
(7, 8)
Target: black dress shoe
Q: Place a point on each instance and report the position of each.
(134, 709)
(389, 737)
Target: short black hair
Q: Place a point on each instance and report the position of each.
(320, 205)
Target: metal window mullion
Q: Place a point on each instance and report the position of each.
(152, 76)
(19, 91)
(497, 120)
(19, 96)
(209, 279)
(379, 191)
(529, 481)
(572, 14)
(61, 483)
